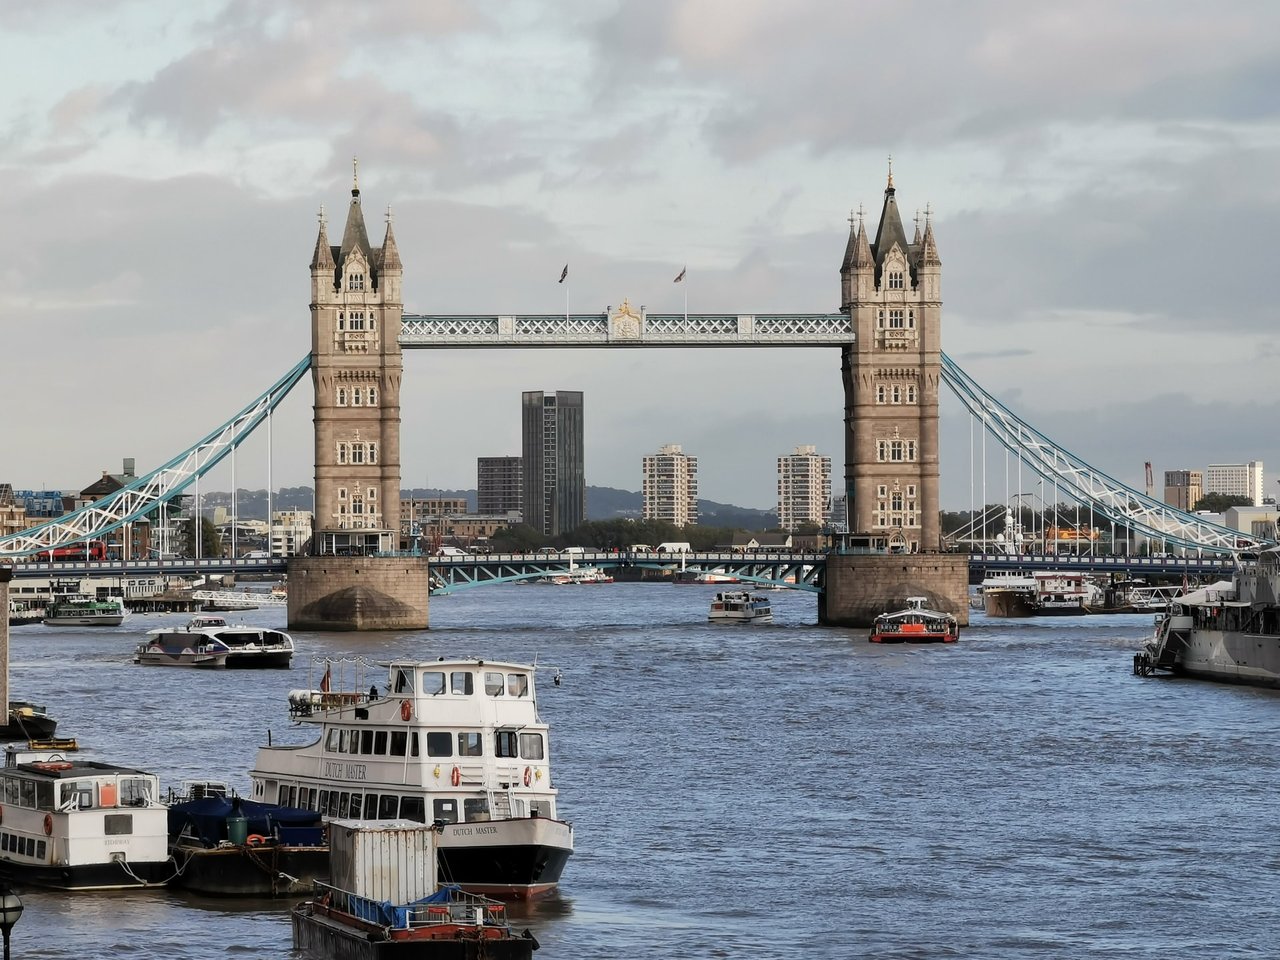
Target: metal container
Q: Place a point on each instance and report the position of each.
(392, 861)
(237, 829)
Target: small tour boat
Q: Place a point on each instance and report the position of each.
(226, 846)
(85, 612)
(209, 641)
(383, 901)
(456, 743)
(740, 606)
(82, 825)
(915, 624)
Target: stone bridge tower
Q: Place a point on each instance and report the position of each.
(892, 290)
(354, 578)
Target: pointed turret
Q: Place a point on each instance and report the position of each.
(322, 258)
(862, 256)
(389, 255)
(354, 235)
(929, 247)
(851, 247)
(890, 230)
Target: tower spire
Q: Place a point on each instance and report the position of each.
(355, 176)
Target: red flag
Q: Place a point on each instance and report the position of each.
(324, 681)
(563, 273)
(680, 275)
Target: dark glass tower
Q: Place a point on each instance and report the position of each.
(555, 490)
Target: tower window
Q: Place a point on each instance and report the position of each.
(355, 281)
(911, 319)
(373, 453)
(895, 320)
(895, 279)
(911, 393)
(911, 450)
(342, 452)
(357, 453)
(882, 450)
(342, 321)
(373, 396)
(880, 319)
(357, 397)
(895, 451)
(897, 393)
(880, 394)
(342, 396)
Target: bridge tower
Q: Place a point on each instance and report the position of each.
(356, 310)
(891, 287)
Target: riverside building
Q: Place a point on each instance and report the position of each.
(804, 488)
(1235, 480)
(555, 489)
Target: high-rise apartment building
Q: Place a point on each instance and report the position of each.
(555, 490)
(804, 488)
(670, 486)
(499, 485)
(1183, 488)
(1235, 480)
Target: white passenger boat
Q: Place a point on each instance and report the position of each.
(739, 606)
(82, 825)
(915, 623)
(458, 743)
(85, 612)
(207, 640)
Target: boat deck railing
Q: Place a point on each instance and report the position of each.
(457, 907)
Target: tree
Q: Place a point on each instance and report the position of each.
(1221, 502)
(520, 538)
(210, 542)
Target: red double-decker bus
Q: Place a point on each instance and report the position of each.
(95, 550)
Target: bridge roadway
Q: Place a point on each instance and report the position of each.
(801, 571)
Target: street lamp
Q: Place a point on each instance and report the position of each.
(10, 912)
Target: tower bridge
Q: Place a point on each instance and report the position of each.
(888, 332)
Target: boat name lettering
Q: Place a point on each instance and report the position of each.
(344, 771)
(473, 831)
(116, 843)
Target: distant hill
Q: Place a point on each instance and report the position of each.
(603, 503)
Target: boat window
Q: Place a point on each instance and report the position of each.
(439, 745)
(344, 804)
(433, 682)
(333, 742)
(4, 842)
(332, 807)
(517, 684)
(353, 741)
(40, 850)
(342, 740)
(493, 684)
(398, 741)
(539, 808)
(355, 806)
(388, 806)
(463, 683)
(10, 790)
(290, 797)
(27, 793)
(469, 745)
(117, 824)
(324, 800)
(475, 808)
(531, 746)
(403, 683)
(380, 742)
(366, 741)
(445, 811)
(413, 808)
(504, 743)
(44, 796)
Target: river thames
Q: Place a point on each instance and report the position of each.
(767, 791)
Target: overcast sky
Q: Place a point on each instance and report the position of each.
(1102, 175)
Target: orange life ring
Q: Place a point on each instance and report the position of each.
(456, 777)
(48, 824)
(406, 710)
(528, 775)
(254, 839)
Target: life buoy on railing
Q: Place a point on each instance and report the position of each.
(456, 777)
(528, 775)
(406, 710)
(255, 839)
(48, 824)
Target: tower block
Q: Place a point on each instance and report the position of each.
(354, 579)
(891, 288)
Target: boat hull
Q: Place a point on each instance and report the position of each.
(1231, 657)
(271, 660)
(199, 661)
(115, 875)
(510, 859)
(241, 870)
(111, 620)
(913, 638)
(1008, 603)
(318, 935)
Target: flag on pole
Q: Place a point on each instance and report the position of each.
(563, 273)
(324, 681)
(680, 275)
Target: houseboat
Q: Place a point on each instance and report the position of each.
(82, 825)
(916, 623)
(458, 743)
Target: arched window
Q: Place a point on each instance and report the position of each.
(911, 450)
(371, 493)
(357, 397)
(897, 393)
(911, 393)
(342, 396)
(895, 451)
(880, 394)
(342, 452)
(373, 453)
(895, 279)
(882, 450)
(355, 281)
(880, 319)
(342, 321)
(373, 396)
(911, 319)
(357, 453)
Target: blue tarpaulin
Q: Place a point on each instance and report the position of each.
(207, 819)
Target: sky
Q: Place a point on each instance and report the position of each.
(1102, 178)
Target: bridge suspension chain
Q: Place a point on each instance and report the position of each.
(1109, 497)
(141, 496)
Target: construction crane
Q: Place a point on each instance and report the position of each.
(1151, 482)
